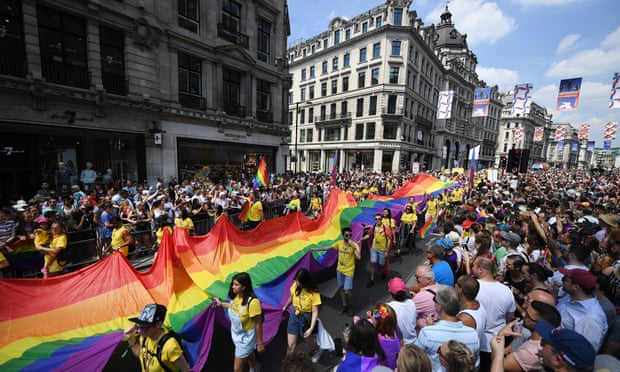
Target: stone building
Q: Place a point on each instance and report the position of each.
(145, 88)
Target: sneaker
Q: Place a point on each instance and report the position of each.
(370, 283)
(316, 356)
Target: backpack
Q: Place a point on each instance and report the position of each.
(160, 346)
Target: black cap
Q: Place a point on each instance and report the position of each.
(150, 314)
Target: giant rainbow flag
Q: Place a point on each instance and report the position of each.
(75, 321)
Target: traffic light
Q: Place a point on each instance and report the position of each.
(358, 157)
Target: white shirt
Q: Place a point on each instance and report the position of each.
(584, 317)
(498, 301)
(406, 315)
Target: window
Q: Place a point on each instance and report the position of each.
(374, 80)
(370, 131)
(232, 92)
(379, 22)
(363, 55)
(302, 135)
(190, 78)
(347, 34)
(398, 17)
(311, 115)
(376, 50)
(360, 107)
(334, 86)
(395, 47)
(394, 75)
(345, 83)
(263, 47)
(189, 17)
(311, 92)
(303, 74)
(231, 16)
(389, 131)
(12, 49)
(361, 79)
(332, 111)
(344, 108)
(332, 134)
(391, 108)
(324, 67)
(346, 60)
(309, 135)
(323, 112)
(303, 94)
(336, 37)
(359, 132)
(312, 72)
(335, 64)
(420, 137)
(313, 49)
(63, 48)
(302, 116)
(372, 107)
(263, 101)
(290, 98)
(323, 89)
(112, 60)
(365, 27)
(304, 53)
(325, 43)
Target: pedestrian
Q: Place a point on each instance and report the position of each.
(53, 265)
(382, 239)
(121, 237)
(154, 345)
(408, 222)
(348, 252)
(246, 321)
(404, 307)
(255, 212)
(304, 316)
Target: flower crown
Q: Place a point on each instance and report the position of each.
(380, 313)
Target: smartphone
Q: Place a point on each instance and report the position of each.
(518, 326)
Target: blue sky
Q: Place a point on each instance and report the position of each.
(517, 41)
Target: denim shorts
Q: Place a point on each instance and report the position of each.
(377, 256)
(344, 281)
(296, 323)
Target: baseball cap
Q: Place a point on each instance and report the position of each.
(511, 237)
(575, 349)
(150, 314)
(396, 285)
(41, 220)
(445, 243)
(582, 277)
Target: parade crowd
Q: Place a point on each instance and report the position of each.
(521, 274)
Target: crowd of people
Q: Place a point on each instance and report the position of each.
(523, 273)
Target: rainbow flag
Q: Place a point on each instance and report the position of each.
(261, 174)
(427, 228)
(335, 169)
(75, 321)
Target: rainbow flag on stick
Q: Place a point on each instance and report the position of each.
(427, 228)
(261, 174)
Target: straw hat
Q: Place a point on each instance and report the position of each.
(609, 219)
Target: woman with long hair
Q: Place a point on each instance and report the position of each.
(386, 324)
(413, 359)
(246, 320)
(304, 316)
(455, 356)
(363, 349)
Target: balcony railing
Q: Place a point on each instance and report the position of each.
(264, 116)
(75, 76)
(424, 121)
(192, 101)
(234, 109)
(333, 117)
(392, 111)
(13, 65)
(115, 84)
(232, 35)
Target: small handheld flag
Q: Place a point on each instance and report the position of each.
(261, 174)
(428, 228)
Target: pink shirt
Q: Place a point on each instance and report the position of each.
(425, 305)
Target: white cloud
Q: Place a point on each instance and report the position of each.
(590, 62)
(567, 42)
(482, 21)
(502, 77)
(535, 3)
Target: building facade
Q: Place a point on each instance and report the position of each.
(142, 87)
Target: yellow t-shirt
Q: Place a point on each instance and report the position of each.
(42, 237)
(457, 194)
(315, 204)
(306, 299)
(294, 204)
(59, 241)
(184, 223)
(160, 233)
(246, 317)
(410, 218)
(170, 352)
(431, 207)
(255, 211)
(380, 240)
(346, 256)
(117, 239)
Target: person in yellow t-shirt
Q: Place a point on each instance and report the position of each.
(348, 252)
(381, 241)
(304, 317)
(184, 221)
(144, 339)
(408, 222)
(255, 214)
(246, 320)
(43, 238)
(59, 242)
(293, 205)
(316, 204)
(121, 237)
(432, 207)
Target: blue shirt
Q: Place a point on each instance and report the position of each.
(443, 273)
(432, 337)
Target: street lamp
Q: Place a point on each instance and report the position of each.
(297, 134)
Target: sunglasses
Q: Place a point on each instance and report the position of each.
(439, 353)
(347, 235)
